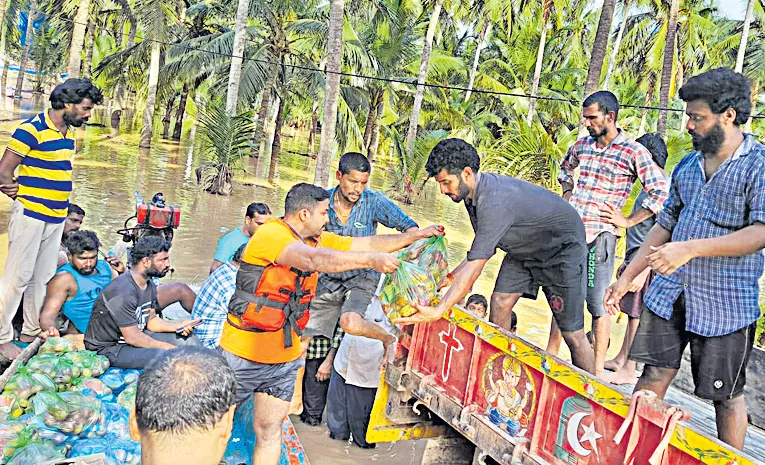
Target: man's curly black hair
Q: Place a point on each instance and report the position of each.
(75, 90)
(721, 88)
(452, 155)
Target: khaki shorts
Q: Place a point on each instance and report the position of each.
(275, 379)
(326, 309)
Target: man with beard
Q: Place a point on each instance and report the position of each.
(74, 216)
(124, 325)
(75, 288)
(706, 249)
(609, 164)
(540, 232)
(42, 148)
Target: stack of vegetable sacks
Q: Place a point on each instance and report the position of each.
(67, 403)
(422, 269)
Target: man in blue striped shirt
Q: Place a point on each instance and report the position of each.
(42, 148)
(354, 211)
(706, 249)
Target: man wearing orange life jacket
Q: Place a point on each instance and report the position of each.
(269, 309)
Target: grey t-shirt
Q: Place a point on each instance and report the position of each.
(636, 234)
(528, 222)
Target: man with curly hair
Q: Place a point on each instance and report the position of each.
(42, 148)
(542, 235)
(706, 249)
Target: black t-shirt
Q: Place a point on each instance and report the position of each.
(121, 304)
(528, 222)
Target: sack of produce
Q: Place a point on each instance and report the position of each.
(57, 345)
(36, 452)
(127, 396)
(117, 378)
(68, 412)
(91, 387)
(409, 284)
(43, 432)
(25, 384)
(117, 451)
(9, 431)
(10, 407)
(91, 364)
(117, 420)
(60, 370)
(430, 253)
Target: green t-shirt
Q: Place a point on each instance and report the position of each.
(229, 243)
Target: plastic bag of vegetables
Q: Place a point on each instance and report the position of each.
(127, 396)
(117, 451)
(68, 412)
(409, 284)
(25, 384)
(43, 432)
(36, 452)
(430, 253)
(117, 420)
(10, 407)
(61, 371)
(90, 364)
(95, 387)
(56, 345)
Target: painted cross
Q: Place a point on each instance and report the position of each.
(449, 339)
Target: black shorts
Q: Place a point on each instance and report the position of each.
(563, 281)
(718, 363)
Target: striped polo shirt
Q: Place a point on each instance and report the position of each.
(45, 172)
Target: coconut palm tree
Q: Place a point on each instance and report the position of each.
(546, 10)
(331, 91)
(599, 47)
(427, 47)
(744, 36)
(26, 49)
(78, 38)
(235, 74)
(617, 43)
(666, 69)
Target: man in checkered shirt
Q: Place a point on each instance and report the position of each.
(211, 304)
(609, 164)
(706, 248)
(320, 356)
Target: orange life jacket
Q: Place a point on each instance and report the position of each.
(272, 297)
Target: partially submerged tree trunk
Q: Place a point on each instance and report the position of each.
(485, 28)
(276, 147)
(599, 47)
(259, 142)
(617, 43)
(312, 130)
(331, 91)
(168, 116)
(540, 57)
(666, 68)
(180, 113)
(235, 72)
(151, 97)
(25, 50)
(427, 47)
(87, 65)
(78, 38)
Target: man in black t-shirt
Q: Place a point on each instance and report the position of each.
(542, 235)
(124, 325)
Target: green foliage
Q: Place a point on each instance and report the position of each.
(225, 141)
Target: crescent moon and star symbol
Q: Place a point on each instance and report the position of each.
(589, 434)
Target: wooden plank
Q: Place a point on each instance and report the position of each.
(23, 358)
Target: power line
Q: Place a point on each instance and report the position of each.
(383, 79)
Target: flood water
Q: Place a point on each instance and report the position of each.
(108, 172)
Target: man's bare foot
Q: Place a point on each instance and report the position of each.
(614, 364)
(9, 350)
(625, 375)
(27, 339)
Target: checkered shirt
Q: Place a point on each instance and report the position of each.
(720, 292)
(320, 346)
(211, 304)
(607, 175)
(372, 208)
